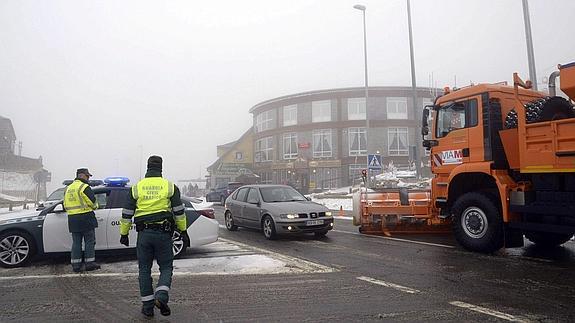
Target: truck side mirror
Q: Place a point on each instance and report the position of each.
(430, 143)
(424, 117)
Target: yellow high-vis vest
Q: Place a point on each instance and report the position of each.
(153, 196)
(75, 201)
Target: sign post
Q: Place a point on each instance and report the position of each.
(374, 164)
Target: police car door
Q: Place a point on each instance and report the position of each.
(57, 237)
(118, 198)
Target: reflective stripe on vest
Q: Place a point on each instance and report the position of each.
(153, 196)
(75, 201)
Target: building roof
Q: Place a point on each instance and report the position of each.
(6, 128)
(232, 145)
(338, 91)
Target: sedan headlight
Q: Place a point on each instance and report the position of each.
(328, 213)
(289, 216)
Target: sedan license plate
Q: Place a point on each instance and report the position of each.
(314, 222)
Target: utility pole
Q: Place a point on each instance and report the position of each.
(362, 9)
(530, 55)
(414, 94)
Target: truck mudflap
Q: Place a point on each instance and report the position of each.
(396, 211)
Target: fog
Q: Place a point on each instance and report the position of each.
(104, 84)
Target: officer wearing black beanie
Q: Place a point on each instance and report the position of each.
(157, 209)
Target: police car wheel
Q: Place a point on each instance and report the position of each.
(16, 249)
(178, 244)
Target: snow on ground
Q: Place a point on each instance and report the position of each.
(224, 257)
(18, 208)
(335, 203)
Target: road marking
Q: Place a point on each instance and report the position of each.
(390, 285)
(488, 311)
(397, 239)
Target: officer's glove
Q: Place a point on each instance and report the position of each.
(185, 237)
(124, 240)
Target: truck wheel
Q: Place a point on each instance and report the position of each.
(478, 225)
(547, 239)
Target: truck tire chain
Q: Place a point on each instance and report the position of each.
(534, 111)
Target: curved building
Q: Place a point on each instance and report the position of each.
(318, 139)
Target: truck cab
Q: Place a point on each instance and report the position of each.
(503, 160)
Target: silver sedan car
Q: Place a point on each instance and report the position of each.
(276, 209)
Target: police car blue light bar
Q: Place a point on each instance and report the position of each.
(116, 181)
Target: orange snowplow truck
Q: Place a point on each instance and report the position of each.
(503, 160)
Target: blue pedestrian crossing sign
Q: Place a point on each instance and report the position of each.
(374, 161)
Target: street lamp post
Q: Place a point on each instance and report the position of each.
(362, 9)
(414, 92)
(530, 55)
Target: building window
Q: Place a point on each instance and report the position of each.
(357, 141)
(321, 111)
(398, 142)
(239, 155)
(290, 145)
(321, 143)
(264, 149)
(356, 109)
(290, 115)
(266, 177)
(397, 108)
(264, 121)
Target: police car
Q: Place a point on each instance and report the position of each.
(28, 233)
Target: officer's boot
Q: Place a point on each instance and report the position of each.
(148, 308)
(162, 302)
(92, 265)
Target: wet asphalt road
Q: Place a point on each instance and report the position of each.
(423, 278)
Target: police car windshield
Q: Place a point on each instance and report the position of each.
(57, 195)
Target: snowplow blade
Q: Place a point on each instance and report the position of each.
(396, 211)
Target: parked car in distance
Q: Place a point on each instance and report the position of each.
(221, 192)
(276, 209)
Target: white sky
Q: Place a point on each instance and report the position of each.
(90, 83)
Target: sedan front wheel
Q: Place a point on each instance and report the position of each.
(230, 222)
(269, 228)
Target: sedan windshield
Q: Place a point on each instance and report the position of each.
(280, 194)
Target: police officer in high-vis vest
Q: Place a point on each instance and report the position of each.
(80, 203)
(155, 205)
